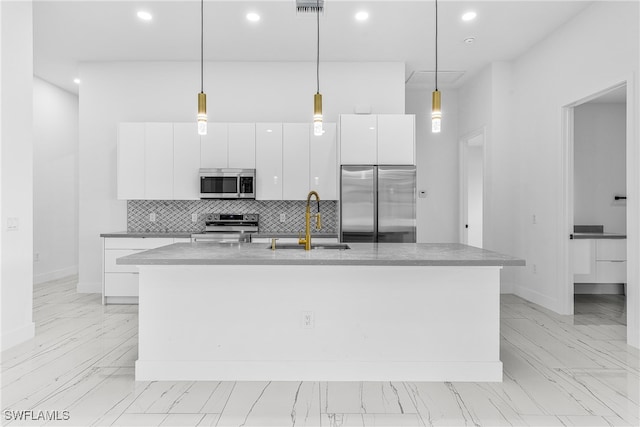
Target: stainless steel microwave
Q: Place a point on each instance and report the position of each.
(227, 183)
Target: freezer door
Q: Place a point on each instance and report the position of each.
(357, 204)
(396, 204)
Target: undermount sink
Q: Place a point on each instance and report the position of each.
(340, 246)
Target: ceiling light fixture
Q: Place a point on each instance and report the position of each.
(253, 17)
(362, 16)
(317, 98)
(469, 16)
(202, 97)
(145, 16)
(436, 112)
(76, 81)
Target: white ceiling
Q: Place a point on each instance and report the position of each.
(69, 32)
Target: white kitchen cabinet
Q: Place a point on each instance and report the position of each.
(242, 145)
(214, 148)
(120, 282)
(384, 139)
(396, 139)
(269, 174)
(323, 162)
(158, 165)
(289, 240)
(186, 161)
(358, 139)
(296, 160)
(131, 161)
(600, 261)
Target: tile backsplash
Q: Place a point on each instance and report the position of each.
(175, 215)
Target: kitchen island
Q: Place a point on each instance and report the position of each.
(374, 312)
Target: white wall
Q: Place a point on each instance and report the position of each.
(596, 50)
(599, 165)
(236, 92)
(55, 182)
(485, 107)
(17, 171)
(437, 167)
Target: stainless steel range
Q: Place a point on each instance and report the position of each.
(228, 228)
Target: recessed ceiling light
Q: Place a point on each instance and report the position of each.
(469, 16)
(76, 81)
(145, 16)
(253, 17)
(469, 40)
(362, 16)
(269, 130)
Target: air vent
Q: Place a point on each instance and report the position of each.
(427, 78)
(309, 6)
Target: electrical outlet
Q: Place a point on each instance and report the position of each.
(36, 257)
(152, 217)
(534, 219)
(535, 269)
(308, 321)
(13, 224)
(194, 217)
(283, 217)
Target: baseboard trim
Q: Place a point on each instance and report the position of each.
(18, 336)
(89, 287)
(55, 275)
(536, 297)
(599, 288)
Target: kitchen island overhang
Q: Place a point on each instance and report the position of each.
(375, 312)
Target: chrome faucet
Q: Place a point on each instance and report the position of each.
(306, 241)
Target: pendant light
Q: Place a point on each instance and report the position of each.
(202, 97)
(317, 98)
(436, 112)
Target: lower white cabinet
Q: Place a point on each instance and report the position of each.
(120, 282)
(599, 261)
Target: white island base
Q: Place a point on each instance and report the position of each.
(319, 323)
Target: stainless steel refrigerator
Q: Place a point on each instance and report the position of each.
(378, 204)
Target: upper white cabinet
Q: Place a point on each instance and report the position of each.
(186, 161)
(214, 146)
(268, 161)
(158, 165)
(296, 160)
(131, 161)
(242, 145)
(385, 139)
(358, 139)
(396, 139)
(323, 162)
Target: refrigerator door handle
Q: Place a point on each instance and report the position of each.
(375, 204)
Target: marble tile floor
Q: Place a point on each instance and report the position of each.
(558, 371)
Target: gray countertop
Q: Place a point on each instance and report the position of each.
(169, 234)
(599, 236)
(387, 254)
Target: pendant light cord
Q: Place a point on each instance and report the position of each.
(201, 46)
(318, 46)
(436, 44)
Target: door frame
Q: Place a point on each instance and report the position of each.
(462, 182)
(633, 206)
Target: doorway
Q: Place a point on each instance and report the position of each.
(472, 192)
(597, 142)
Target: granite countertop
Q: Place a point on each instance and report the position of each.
(599, 236)
(378, 254)
(137, 234)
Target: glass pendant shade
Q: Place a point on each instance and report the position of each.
(317, 115)
(202, 113)
(436, 112)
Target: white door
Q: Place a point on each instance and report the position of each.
(358, 139)
(213, 146)
(472, 179)
(296, 160)
(242, 145)
(186, 161)
(396, 139)
(269, 161)
(323, 163)
(158, 155)
(130, 161)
